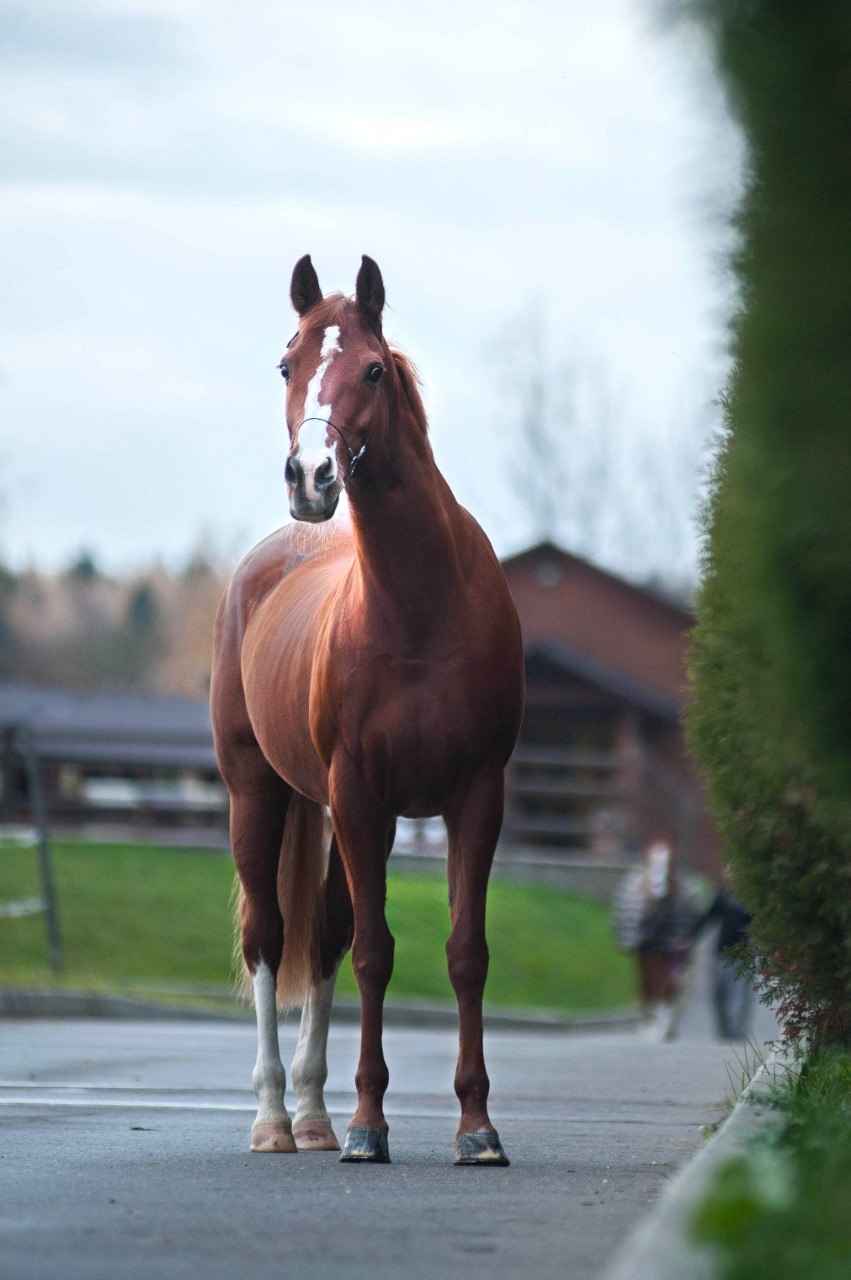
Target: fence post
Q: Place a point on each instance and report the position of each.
(26, 738)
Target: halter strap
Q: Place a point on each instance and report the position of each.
(354, 458)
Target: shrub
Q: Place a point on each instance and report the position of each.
(785, 66)
(789, 849)
(771, 718)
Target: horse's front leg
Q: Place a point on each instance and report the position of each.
(473, 822)
(363, 833)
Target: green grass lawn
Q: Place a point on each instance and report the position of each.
(142, 917)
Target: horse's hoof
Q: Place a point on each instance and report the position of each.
(483, 1148)
(273, 1138)
(366, 1146)
(315, 1137)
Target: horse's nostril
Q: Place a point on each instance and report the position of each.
(324, 474)
(290, 472)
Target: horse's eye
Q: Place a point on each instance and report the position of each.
(373, 373)
(285, 370)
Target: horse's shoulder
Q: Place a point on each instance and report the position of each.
(258, 571)
(473, 538)
(477, 554)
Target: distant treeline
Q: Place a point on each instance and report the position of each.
(150, 631)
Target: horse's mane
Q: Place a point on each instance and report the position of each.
(410, 383)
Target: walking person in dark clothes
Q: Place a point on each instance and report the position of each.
(654, 912)
(732, 990)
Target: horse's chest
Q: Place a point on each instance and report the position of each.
(413, 730)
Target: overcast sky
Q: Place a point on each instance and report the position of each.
(165, 162)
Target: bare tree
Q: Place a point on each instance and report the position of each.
(582, 465)
(538, 471)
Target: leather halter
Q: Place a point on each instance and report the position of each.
(354, 458)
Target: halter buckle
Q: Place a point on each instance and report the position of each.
(354, 459)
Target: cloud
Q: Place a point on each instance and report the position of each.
(166, 161)
(42, 36)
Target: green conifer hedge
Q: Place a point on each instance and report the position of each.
(789, 846)
(771, 717)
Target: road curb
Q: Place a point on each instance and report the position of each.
(56, 1003)
(662, 1247)
(47, 1003)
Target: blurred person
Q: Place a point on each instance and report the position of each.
(732, 989)
(654, 915)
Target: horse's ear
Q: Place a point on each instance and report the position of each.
(304, 290)
(369, 291)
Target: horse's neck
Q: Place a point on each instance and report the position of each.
(406, 537)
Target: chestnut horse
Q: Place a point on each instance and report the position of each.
(373, 668)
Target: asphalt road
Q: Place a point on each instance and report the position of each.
(123, 1153)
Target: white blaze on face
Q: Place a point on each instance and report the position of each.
(312, 450)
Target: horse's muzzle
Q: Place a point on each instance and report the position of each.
(314, 512)
(314, 490)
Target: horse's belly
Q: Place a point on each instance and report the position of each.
(278, 655)
(280, 723)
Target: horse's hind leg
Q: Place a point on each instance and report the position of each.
(473, 823)
(312, 1125)
(258, 813)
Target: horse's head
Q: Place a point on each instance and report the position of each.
(334, 368)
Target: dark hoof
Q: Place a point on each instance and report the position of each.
(366, 1146)
(482, 1148)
